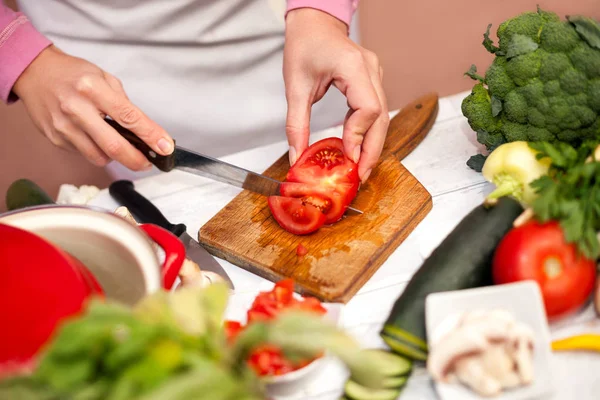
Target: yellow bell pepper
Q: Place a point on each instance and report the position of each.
(512, 167)
(588, 341)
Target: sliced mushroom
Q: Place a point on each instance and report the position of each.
(522, 353)
(459, 343)
(471, 372)
(486, 350)
(498, 362)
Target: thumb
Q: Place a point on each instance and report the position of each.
(297, 125)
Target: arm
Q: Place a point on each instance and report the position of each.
(341, 9)
(66, 97)
(20, 44)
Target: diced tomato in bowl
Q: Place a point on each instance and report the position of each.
(279, 374)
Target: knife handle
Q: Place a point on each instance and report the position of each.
(163, 163)
(124, 192)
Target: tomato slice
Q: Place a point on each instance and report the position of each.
(539, 252)
(332, 200)
(324, 163)
(295, 216)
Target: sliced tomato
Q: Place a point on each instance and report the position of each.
(332, 200)
(324, 162)
(295, 216)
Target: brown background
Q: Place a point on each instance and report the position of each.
(423, 46)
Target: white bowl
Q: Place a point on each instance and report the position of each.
(288, 384)
(524, 301)
(294, 381)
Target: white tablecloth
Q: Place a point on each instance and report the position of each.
(439, 164)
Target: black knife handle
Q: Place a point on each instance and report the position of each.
(164, 163)
(124, 192)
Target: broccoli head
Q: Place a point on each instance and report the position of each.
(543, 84)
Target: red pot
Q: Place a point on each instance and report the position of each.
(53, 258)
(40, 285)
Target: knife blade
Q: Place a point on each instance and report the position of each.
(208, 167)
(124, 192)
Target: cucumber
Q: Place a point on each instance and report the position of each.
(395, 382)
(392, 365)
(25, 193)
(354, 391)
(461, 261)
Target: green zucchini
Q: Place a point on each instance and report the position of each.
(354, 391)
(24, 193)
(461, 261)
(391, 364)
(395, 382)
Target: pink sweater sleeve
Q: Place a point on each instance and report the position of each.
(20, 44)
(341, 9)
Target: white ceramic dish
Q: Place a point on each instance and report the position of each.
(524, 301)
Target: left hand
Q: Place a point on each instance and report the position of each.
(318, 53)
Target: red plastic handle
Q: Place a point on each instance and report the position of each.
(174, 252)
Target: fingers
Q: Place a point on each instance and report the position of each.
(85, 115)
(366, 124)
(115, 103)
(355, 83)
(80, 141)
(297, 125)
(375, 136)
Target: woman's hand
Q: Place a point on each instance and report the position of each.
(318, 53)
(68, 97)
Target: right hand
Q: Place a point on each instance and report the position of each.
(68, 97)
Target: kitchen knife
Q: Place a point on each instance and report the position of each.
(124, 192)
(205, 166)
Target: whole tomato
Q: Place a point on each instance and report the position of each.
(538, 251)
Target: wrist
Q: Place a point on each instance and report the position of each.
(21, 83)
(309, 17)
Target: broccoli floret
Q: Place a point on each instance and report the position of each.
(573, 81)
(543, 84)
(558, 37)
(522, 69)
(593, 94)
(497, 78)
(514, 132)
(515, 107)
(586, 59)
(553, 65)
(478, 107)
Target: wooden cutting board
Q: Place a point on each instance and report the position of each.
(342, 257)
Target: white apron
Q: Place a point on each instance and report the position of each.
(208, 71)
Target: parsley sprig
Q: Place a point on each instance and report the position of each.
(570, 193)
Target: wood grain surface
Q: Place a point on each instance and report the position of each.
(343, 256)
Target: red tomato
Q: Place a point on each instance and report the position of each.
(232, 329)
(331, 200)
(539, 252)
(301, 250)
(311, 304)
(324, 162)
(294, 216)
(324, 180)
(284, 291)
